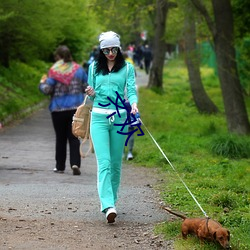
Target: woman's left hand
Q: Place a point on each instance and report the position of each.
(134, 108)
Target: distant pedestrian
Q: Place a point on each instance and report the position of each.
(128, 59)
(93, 55)
(65, 84)
(147, 55)
(131, 128)
(138, 56)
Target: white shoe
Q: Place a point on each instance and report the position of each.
(129, 156)
(111, 214)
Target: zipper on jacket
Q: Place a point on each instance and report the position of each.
(109, 83)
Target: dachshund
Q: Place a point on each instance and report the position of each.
(204, 229)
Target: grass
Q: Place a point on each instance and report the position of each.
(19, 88)
(214, 164)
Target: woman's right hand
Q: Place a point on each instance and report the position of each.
(90, 91)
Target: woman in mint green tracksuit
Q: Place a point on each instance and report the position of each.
(109, 78)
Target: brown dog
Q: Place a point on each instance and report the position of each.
(204, 229)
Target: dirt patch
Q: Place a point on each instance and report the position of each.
(50, 234)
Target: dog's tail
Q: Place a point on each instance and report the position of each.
(175, 213)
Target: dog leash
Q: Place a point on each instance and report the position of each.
(174, 169)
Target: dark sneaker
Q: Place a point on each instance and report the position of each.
(76, 170)
(111, 214)
(58, 171)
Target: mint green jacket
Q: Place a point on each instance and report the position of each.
(122, 82)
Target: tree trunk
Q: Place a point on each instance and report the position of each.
(159, 47)
(233, 97)
(201, 99)
(223, 38)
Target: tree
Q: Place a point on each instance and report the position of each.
(242, 33)
(201, 99)
(223, 38)
(241, 17)
(28, 33)
(159, 46)
(126, 17)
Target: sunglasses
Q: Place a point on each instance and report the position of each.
(106, 51)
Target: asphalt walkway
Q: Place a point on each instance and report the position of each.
(29, 187)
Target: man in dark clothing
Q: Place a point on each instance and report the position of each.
(147, 58)
(138, 53)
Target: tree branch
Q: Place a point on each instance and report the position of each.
(202, 9)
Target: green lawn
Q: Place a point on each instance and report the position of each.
(214, 164)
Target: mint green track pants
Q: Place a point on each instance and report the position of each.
(108, 146)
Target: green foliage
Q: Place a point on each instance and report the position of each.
(175, 28)
(128, 18)
(19, 87)
(224, 200)
(219, 183)
(241, 17)
(243, 59)
(231, 146)
(175, 25)
(29, 33)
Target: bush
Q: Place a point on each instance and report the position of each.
(19, 88)
(231, 146)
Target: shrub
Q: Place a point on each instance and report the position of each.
(231, 146)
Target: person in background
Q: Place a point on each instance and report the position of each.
(65, 83)
(108, 77)
(147, 54)
(92, 57)
(128, 59)
(131, 140)
(130, 128)
(93, 54)
(138, 53)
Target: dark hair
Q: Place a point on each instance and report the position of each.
(64, 53)
(102, 67)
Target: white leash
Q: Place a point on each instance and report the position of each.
(174, 169)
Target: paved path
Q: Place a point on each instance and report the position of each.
(26, 163)
(30, 190)
(27, 160)
(141, 78)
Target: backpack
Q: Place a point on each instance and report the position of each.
(81, 125)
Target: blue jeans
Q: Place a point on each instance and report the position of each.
(108, 146)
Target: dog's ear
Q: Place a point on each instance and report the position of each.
(214, 235)
(228, 237)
